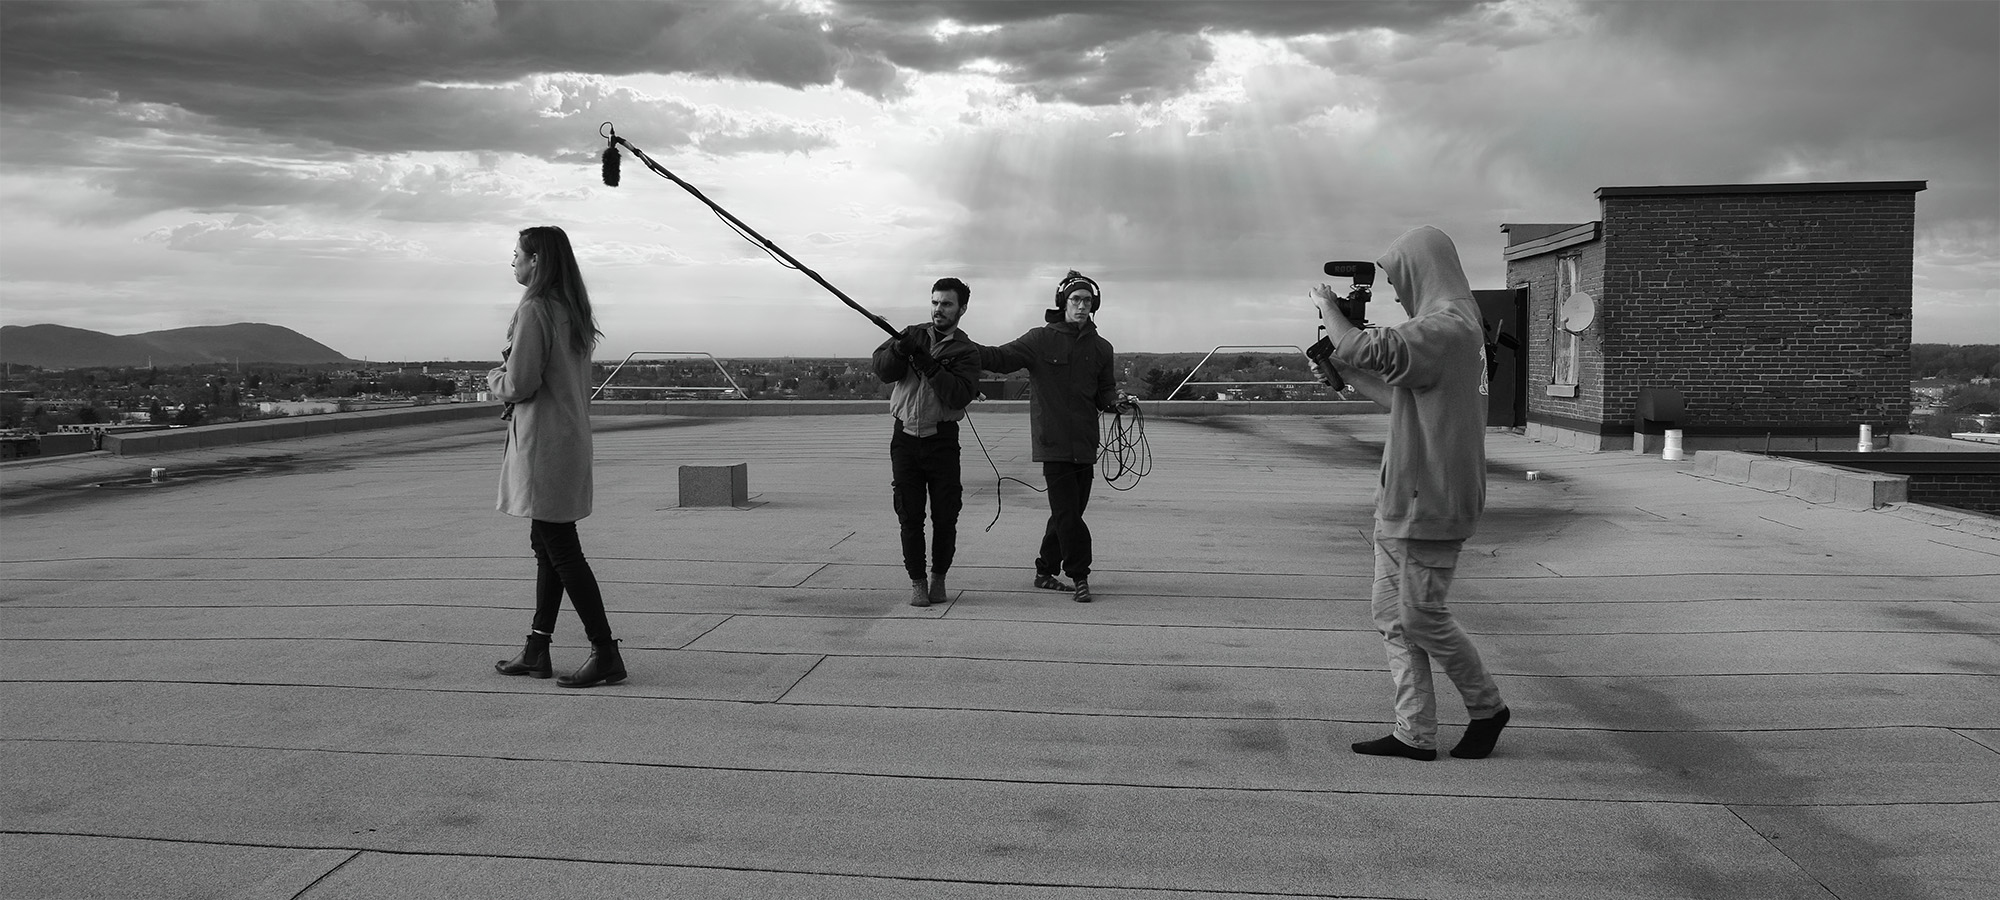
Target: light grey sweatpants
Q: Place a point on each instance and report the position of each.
(1411, 578)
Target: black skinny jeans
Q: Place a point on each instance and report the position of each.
(920, 466)
(1066, 543)
(560, 567)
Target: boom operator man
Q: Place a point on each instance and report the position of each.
(1431, 373)
(935, 372)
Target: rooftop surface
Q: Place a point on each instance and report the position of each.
(270, 675)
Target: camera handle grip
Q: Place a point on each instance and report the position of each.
(1320, 358)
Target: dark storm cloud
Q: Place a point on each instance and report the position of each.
(223, 106)
(366, 77)
(282, 66)
(339, 46)
(1266, 19)
(143, 158)
(1098, 54)
(1743, 92)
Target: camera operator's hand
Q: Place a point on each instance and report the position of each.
(1337, 323)
(1322, 374)
(1328, 303)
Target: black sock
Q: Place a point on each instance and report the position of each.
(1481, 735)
(1393, 746)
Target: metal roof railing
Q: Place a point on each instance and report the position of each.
(681, 354)
(1211, 354)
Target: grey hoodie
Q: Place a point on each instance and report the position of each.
(1434, 465)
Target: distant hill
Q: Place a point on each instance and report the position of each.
(62, 347)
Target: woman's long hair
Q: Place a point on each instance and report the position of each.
(556, 279)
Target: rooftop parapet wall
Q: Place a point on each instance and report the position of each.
(175, 440)
(143, 443)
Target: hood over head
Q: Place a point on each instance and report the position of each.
(1423, 265)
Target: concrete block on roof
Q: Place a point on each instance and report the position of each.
(1771, 474)
(1732, 466)
(1871, 490)
(715, 485)
(1815, 484)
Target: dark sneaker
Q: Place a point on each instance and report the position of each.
(1082, 591)
(920, 595)
(938, 592)
(1049, 583)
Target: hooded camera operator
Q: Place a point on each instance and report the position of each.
(935, 372)
(1070, 381)
(1431, 373)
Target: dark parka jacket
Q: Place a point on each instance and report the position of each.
(1070, 381)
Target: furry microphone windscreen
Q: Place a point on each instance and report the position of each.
(611, 166)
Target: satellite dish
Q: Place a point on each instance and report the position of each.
(1576, 312)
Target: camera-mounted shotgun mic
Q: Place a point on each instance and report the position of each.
(1354, 306)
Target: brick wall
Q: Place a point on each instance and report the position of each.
(1538, 275)
(1978, 493)
(1786, 310)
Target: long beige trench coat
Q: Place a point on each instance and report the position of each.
(546, 471)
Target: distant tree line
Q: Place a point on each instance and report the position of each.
(1955, 362)
(186, 395)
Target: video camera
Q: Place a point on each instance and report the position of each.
(1354, 306)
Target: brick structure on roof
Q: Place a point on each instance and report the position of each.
(1781, 312)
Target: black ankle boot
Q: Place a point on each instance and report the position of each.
(603, 667)
(534, 659)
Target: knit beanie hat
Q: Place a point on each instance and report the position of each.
(1075, 280)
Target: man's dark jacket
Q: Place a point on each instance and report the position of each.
(1070, 381)
(956, 381)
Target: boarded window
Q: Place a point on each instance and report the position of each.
(1563, 343)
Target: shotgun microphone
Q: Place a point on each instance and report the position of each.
(1361, 272)
(611, 165)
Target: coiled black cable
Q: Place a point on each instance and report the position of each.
(1122, 451)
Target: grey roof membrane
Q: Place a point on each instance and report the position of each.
(269, 675)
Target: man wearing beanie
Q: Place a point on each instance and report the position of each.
(935, 373)
(1431, 373)
(1070, 381)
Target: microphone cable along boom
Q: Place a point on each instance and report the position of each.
(611, 179)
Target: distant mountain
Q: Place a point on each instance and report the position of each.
(62, 347)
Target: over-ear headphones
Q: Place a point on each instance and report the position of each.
(1075, 280)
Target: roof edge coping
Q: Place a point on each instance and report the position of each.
(1797, 187)
(1568, 237)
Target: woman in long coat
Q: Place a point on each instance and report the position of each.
(544, 377)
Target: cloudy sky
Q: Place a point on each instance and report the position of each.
(357, 171)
